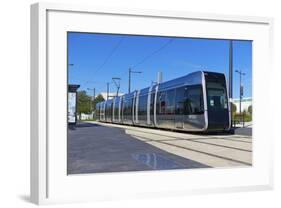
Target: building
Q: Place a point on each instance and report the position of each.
(245, 103)
(110, 95)
(85, 116)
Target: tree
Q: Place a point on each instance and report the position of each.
(233, 107)
(250, 109)
(98, 99)
(83, 103)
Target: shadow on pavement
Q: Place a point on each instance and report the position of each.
(243, 131)
(83, 125)
(105, 149)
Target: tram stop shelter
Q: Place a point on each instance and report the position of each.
(72, 104)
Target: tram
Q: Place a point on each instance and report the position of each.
(197, 102)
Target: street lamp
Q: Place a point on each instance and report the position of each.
(94, 95)
(107, 91)
(130, 72)
(116, 81)
(230, 78)
(241, 88)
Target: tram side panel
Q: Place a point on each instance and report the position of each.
(165, 107)
(127, 111)
(142, 110)
(119, 109)
(115, 109)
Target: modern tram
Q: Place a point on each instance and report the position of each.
(197, 102)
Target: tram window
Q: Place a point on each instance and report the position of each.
(161, 103)
(116, 108)
(180, 97)
(142, 105)
(217, 98)
(189, 100)
(128, 104)
(126, 108)
(194, 100)
(170, 102)
(109, 110)
(216, 93)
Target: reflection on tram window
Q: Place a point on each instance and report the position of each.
(170, 101)
(189, 100)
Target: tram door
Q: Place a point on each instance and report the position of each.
(179, 120)
(179, 107)
(134, 112)
(152, 98)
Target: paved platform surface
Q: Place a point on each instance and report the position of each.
(246, 131)
(102, 147)
(95, 148)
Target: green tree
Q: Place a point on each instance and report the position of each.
(234, 108)
(98, 99)
(250, 109)
(83, 103)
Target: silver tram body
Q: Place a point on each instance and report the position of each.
(195, 102)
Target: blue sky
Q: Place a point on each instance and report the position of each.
(96, 58)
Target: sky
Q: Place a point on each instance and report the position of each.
(93, 59)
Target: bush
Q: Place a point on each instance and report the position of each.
(250, 109)
(233, 108)
(247, 117)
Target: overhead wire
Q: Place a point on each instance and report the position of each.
(145, 58)
(153, 53)
(150, 55)
(110, 54)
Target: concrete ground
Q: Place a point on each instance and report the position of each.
(95, 148)
(246, 131)
(100, 147)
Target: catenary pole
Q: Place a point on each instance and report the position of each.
(230, 82)
(107, 91)
(130, 72)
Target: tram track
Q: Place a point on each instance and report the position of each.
(212, 150)
(224, 152)
(198, 151)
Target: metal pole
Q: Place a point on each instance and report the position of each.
(94, 95)
(240, 93)
(240, 90)
(129, 88)
(130, 72)
(230, 84)
(107, 90)
(116, 81)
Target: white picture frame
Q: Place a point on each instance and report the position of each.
(49, 181)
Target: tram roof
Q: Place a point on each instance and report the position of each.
(189, 79)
